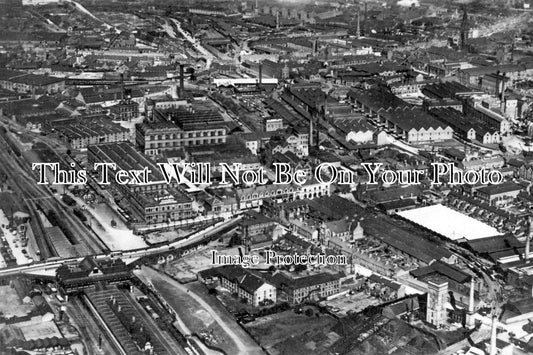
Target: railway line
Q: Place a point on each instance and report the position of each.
(35, 222)
(191, 240)
(39, 197)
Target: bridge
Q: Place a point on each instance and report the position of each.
(48, 267)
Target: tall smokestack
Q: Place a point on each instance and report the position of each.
(492, 350)
(470, 315)
(529, 236)
(122, 86)
(317, 129)
(181, 80)
(260, 73)
(502, 94)
(311, 131)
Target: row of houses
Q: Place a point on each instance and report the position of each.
(438, 123)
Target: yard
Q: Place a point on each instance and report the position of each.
(353, 303)
(283, 333)
(185, 269)
(10, 304)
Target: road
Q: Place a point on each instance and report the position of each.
(88, 13)
(245, 345)
(208, 55)
(401, 145)
(472, 261)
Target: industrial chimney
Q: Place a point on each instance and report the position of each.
(528, 237)
(502, 94)
(493, 349)
(470, 316)
(181, 80)
(311, 132)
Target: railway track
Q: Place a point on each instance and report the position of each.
(19, 170)
(44, 245)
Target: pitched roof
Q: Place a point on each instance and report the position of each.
(244, 278)
(281, 280)
(444, 269)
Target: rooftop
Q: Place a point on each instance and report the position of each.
(449, 223)
(126, 158)
(392, 233)
(90, 128)
(444, 269)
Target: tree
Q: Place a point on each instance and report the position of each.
(113, 223)
(299, 268)
(309, 312)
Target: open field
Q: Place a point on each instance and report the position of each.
(282, 333)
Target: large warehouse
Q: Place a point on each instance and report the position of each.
(449, 223)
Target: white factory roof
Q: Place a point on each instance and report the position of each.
(449, 223)
(243, 81)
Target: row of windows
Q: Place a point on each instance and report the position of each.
(110, 138)
(160, 217)
(169, 208)
(267, 194)
(324, 286)
(322, 293)
(197, 134)
(185, 143)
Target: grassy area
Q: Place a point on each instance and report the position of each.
(234, 304)
(398, 338)
(283, 333)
